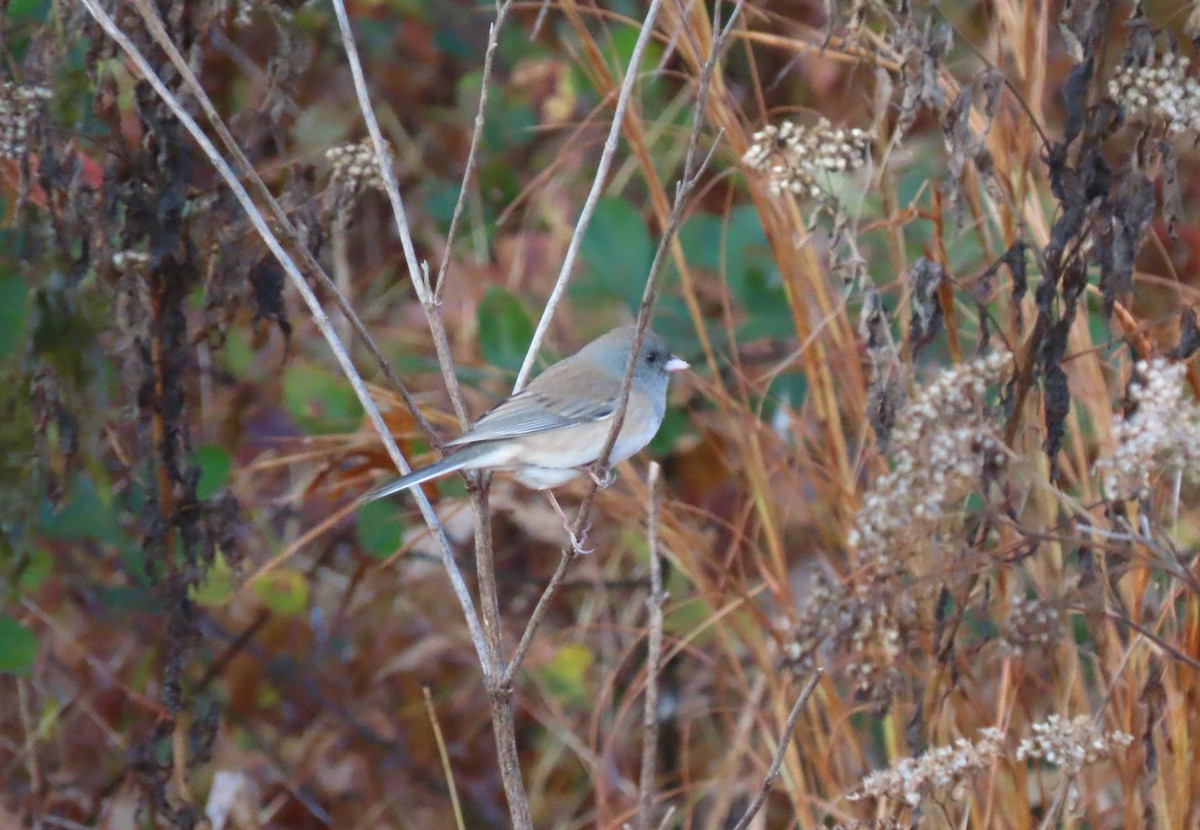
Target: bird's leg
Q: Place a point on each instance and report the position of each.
(603, 482)
(577, 544)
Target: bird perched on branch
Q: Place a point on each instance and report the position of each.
(553, 429)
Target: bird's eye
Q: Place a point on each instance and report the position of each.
(652, 358)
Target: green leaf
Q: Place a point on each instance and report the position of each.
(319, 401)
(18, 647)
(214, 464)
(379, 528)
(85, 516)
(12, 313)
(218, 584)
(35, 570)
(19, 9)
(505, 329)
(618, 251)
(285, 592)
(565, 676)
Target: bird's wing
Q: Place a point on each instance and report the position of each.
(543, 407)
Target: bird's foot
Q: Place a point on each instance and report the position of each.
(604, 481)
(579, 543)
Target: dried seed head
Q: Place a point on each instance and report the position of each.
(1163, 431)
(1159, 90)
(354, 167)
(20, 105)
(794, 157)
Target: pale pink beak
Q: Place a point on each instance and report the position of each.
(676, 364)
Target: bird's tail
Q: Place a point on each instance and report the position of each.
(465, 457)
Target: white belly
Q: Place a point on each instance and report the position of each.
(551, 458)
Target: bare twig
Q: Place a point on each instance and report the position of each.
(654, 646)
(784, 741)
(447, 770)
(418, 274)
(469, 169)
(461, 592)
(589, 205)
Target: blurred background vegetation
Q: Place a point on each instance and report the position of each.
(171, 422)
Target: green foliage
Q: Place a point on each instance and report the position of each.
(18, 647)
(320, 401)
(85, 516)
(63, 333)
(215, 465)
(505, 329)
(379, 527)
(566, 675)
(219, 583)
(283, 591)
(12, 313)
(618, 251)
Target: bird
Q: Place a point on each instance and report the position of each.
(552, 430)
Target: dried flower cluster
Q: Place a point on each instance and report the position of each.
(868, 621)
(1162, 430)
(942, 442)
(940, 772)
(1159, 90)
(355, 169)
(794, 157)
(1031, 624)
(19, 107)
(1071, 744)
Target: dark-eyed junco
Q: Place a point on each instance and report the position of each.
(548, 432)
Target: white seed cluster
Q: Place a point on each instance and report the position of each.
(940, 443)
(943, 772)
(1071, 744)
(1159, 91)
(19, 108)
(1163, 432)
(1031, 624)
(875, 643)
(794, 157)
(354, 167)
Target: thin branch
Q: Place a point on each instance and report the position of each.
(416, 270)
(461, 592)
(472, 163)
(683, 188)
(447, 770)
(589, 205)
(785, 741)
(535, 619)
(654, 647)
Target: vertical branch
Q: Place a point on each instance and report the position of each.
(589, 205)
(417, 272)
(472, 163)
(654, 646)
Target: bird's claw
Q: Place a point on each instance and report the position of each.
(603, 482)
(579, 543)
